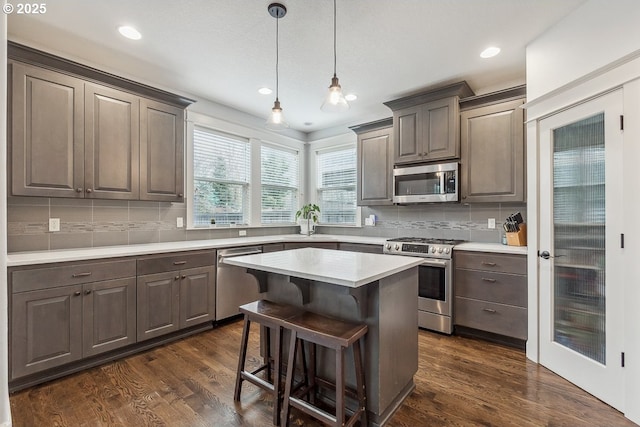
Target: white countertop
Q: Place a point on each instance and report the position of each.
(491, 247)
(62, 255)
(350, 269)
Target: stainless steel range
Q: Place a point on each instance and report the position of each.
(435, 277)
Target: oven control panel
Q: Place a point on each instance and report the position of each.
(419, 249)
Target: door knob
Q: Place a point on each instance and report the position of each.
(544, 254)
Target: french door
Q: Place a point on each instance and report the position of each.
(581, 281)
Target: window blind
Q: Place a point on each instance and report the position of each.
(221, 171)
(280, 184)
(336, 182)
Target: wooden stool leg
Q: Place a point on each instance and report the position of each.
(339, 386)
(276, 374)
(312, 373)
(265, 336)
(362, 395)
(290, 377)
(241, 358)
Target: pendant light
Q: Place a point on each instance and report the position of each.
(276, 120)
(334, 101)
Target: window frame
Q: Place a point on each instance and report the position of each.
(298, 190)
(256, 137)
(334, 144)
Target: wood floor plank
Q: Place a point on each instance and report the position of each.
(189, 383)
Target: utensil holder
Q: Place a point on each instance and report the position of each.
(519, 238)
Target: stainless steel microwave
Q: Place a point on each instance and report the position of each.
(426, 183)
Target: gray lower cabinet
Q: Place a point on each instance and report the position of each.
(175, 291)
(69, 311)
(360, 247)
(491, 293)
(320, 245)
(492, 161)
(375, 163)
(272, 247)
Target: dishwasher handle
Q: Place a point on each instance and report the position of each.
(223, 256)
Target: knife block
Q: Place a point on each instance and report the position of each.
(519, 238)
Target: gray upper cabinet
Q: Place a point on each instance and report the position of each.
(78, 132)
(375, 163)
(161, 152)
(426, 125)
(492, 163)
(112, 143)
(47, 133)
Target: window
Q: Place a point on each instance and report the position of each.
(279, 169)
(221, 170)
(336, 182)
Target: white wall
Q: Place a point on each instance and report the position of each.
(5, 410)
(594, 35)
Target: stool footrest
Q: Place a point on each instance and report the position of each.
(249, 376)
(312, 410)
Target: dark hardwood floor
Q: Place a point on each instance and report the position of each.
(460, 382)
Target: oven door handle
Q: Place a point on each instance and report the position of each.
(435, 263)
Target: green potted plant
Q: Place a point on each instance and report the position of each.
(308, 212)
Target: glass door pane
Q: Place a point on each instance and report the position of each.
(579, 237)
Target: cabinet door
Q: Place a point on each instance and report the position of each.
(492, 157)
(440, 127)
(46, 329)
(161, 152)
(197, 296)
(109, 315)
(408, 134)
(375, 167)
(158, 304)
(112, 143)
(47, 136)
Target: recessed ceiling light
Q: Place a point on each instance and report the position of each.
(265, 91)
(130, 32)
(351, 97)
(308, 123)
(490, 52)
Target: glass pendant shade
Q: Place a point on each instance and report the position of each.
(276, 119)
(335, 100)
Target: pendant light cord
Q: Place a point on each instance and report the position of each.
(277, 55)
(334, 39)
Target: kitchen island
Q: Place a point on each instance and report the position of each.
(379, 290)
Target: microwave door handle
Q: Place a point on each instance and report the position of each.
(442, 189)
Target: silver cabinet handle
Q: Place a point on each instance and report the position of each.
(81, 274)
(179, 262)
(486, 279)
(79, 190)
(176, 278)
(77, 293)
(89, 190)
(87, 292)
(184, 277)
(489, 310)
(490, 264)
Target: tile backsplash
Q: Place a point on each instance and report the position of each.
(92, 223)
(444, 221)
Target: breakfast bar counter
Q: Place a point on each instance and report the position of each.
(379, 290)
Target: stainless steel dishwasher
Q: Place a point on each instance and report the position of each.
(234, 286)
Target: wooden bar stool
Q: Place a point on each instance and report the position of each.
(271, 316)
(337, 335)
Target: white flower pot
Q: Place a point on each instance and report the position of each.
(306, 227)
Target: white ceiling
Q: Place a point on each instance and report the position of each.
(224, 50)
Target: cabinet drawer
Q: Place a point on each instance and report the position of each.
(489, 286)
(175, 261)
(504, 263)
(491, 317)
(361, 247)
(70, 274)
